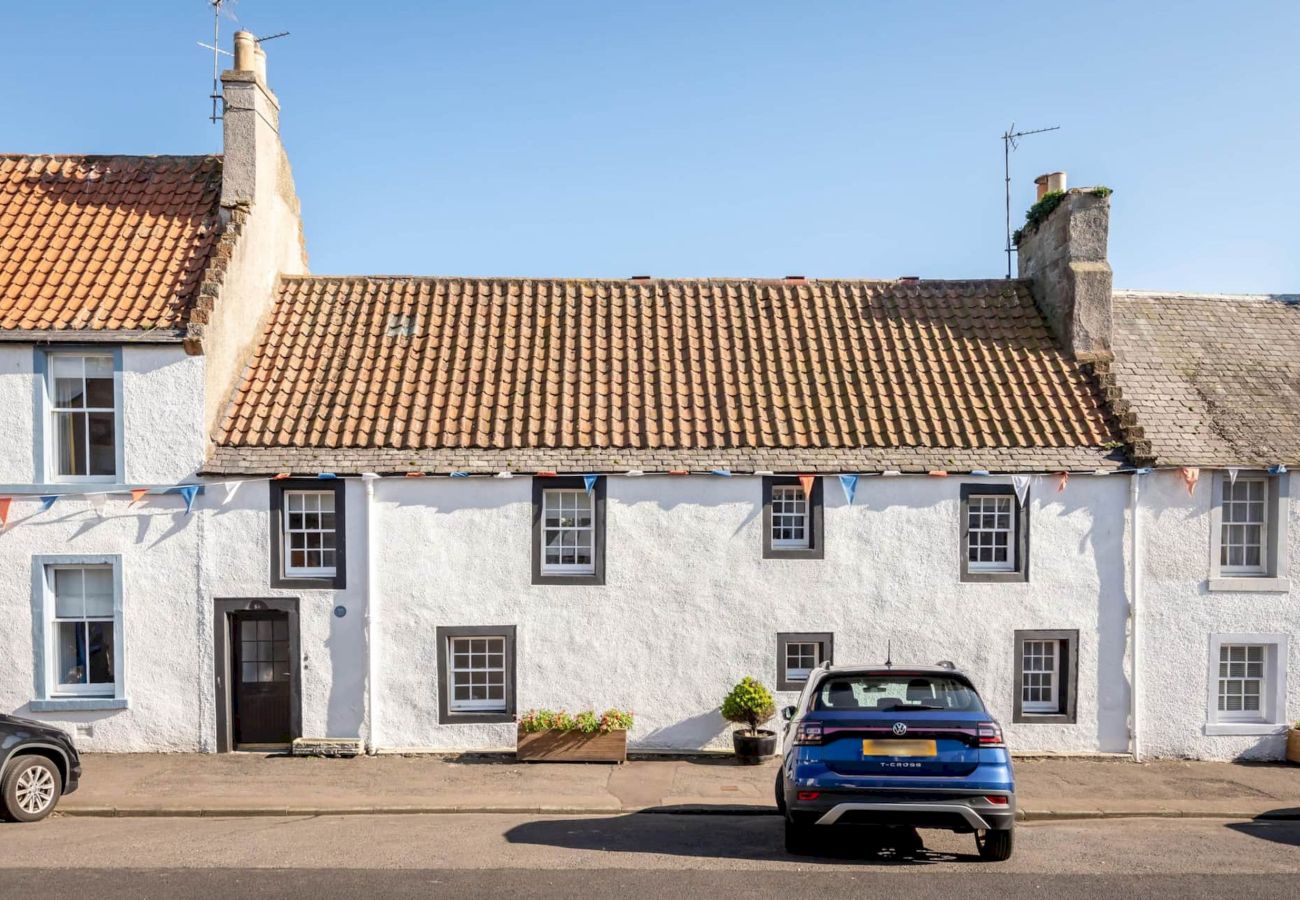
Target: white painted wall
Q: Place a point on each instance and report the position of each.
(1179, 614)
(690, 606)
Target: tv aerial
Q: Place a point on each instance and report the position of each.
(224, 8)
(1010, 142)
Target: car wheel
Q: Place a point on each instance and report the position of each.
(995, 846)
(798, 837)
(31, 788)
(780, 792)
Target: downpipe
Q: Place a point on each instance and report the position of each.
(1135, 617)
(372, 615)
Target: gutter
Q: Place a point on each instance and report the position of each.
(1135, 617)
(372, 613)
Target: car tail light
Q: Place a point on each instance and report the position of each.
(808, 733)
(809, 795)
(998, 800)
(990, 734)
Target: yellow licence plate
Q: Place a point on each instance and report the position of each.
(898, 748)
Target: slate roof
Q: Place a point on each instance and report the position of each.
(396, 374)
(104, 242)
(1214, 380)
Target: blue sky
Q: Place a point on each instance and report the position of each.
(828, 138)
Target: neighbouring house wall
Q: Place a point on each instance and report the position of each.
(690, 606)
(1179, 615)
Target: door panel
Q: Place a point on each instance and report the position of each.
(261, 678)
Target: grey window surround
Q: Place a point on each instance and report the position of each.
(43, 471)
(278, 577)
(1273, 719)
(570, 482)
(222, 607)
(1067, 671)
(42, 699)
(1020, 541)
(445, 715)
(816, 548)
(784, 638)
(1274, 579)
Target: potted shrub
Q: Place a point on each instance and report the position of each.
(750, 704)
(1293, 744)
(556, 736)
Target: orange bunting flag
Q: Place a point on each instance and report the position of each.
(282, 476)
(414, 474)
(1062, 479)
(4, 511)
(807, 481)
(678, 472)
(137, 494)
(1191, 475)
(937, 473)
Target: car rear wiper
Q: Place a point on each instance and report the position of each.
(921, 706)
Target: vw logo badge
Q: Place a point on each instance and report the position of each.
(900, 729)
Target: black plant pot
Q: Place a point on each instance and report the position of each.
(752, 749)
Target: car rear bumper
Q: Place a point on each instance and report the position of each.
(952, 810)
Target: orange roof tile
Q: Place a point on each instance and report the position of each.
(476, 373)
(104, 242)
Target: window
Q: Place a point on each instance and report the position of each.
(76, 602)
(82, 432)
(1046, 672)
(1247, 684)
(1248, 527)
(308, 532)
(792, 520)
(994, 534)
(568, 531)
(476, 668)
(797, 654)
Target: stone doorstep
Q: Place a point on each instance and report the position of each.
(332, 748)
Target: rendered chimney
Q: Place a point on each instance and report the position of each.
(1064, 259)
(250, 127)
(1050, 183)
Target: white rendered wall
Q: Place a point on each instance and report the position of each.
(1179, 614)
(690, 606)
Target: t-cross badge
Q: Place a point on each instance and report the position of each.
(896, 746)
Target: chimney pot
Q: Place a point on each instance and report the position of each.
(1050, 183)
(246, 50)
(259, 62)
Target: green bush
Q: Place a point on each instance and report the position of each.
(749, 703)
(586, 721)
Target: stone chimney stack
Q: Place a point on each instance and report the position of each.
(251, 126)
(1062, 252)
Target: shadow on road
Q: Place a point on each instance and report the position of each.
(1276, 825)
(728, 837)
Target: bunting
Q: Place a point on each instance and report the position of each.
(4, 512)
(850, 485)
(1232, 477)
(47, 501)
(189, 492)
(721, 473)
(138, 494)
(232, 488)
(807, 482)
(459, 474)
(97, 502)
(1191, 475)
(1021, 485)
(1062, 479)
(589, 482)
(1277, 470)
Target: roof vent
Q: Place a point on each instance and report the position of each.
(909, 278)
(639, 278)
(400, 325)
(795, 278)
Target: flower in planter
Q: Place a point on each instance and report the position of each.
(749, 703)
(585, 722)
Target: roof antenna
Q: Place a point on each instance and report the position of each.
(215, 47)
(889, 654)
(1008, 144)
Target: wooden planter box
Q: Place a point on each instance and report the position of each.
(571, 746)
(1293, 745)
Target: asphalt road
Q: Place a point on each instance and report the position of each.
(627, 856)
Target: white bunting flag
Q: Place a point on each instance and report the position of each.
(1021, 484)
(1232, 477)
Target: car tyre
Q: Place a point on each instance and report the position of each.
(780, 792)
(798, 837)
(995, 846)
(30, 789)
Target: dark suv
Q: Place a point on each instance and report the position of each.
(38, 765)
(908, 746)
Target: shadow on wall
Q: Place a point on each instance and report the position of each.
(688, 734)
(343, 714)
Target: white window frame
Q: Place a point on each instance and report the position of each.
(1271, 716)
(1226, 485)
(795, 491)
(479, 705)
(587, 568)
(1013, 509)
(287, 533)
(1052, 705)
(50, 695)
(1271, 574)
(50, 416)
(801, 674)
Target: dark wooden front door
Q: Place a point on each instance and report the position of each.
(260, 678)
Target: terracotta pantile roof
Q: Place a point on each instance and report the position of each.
(1213, 380)
(389, 374)
(104, 242)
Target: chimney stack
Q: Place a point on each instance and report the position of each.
(1049, 183)
(250, 126)
(1063, 256)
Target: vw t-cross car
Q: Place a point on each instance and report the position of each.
(909, 746)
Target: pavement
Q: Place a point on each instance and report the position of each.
(240, 784)
(630, 855)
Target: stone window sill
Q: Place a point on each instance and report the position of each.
(77, 704)
(1250, 583)
(1245, 728)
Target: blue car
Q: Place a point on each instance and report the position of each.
(899, 746)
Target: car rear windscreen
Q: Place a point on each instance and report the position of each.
(889, 692)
